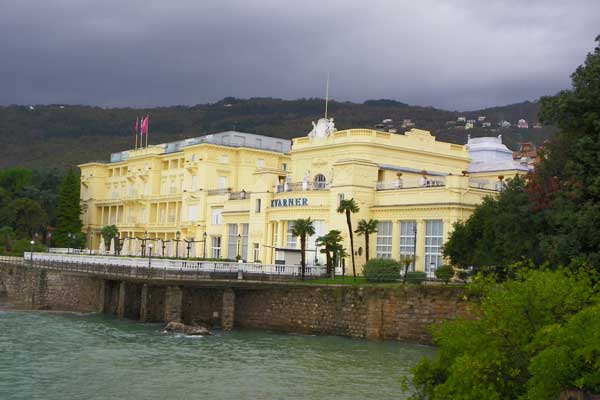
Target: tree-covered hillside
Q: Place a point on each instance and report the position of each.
(65, 135)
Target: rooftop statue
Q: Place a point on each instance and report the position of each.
(323, 128)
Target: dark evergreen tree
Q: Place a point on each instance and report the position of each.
(68, 213)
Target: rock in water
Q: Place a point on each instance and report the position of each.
(192, 330)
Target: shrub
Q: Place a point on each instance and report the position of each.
(381, 270)
(416, 277)
(18, 247)
(444, 273)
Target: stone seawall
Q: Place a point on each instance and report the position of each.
(402, 313)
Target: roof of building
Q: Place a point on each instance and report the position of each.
(490, 154)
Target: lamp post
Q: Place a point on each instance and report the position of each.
(69, 236)
(239, 239)
(432, 266)
(163, 242)
(205, 235)
(189, 246)
(31, 252)
(177, 240)
(149, 255)
(144, 239)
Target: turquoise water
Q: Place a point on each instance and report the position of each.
(72, 356)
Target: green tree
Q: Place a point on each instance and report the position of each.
(502, 230)
(493, 355)
(349, 207)
(108, 233)
(565, 187)
(366, 228)
(68, 214)
(28, 218)
(331, 244)
(303, 227)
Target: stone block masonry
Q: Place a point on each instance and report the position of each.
(374, 313)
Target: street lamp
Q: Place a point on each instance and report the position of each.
(69, 237)
(144, 243)
(239, 237)
(177, 237)
(31, 252)
(189, 246)
(205, 235)
(149, 255)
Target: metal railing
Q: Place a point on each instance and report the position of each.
(166, 268)
(301, 187)
(433, 182)
(485, 184)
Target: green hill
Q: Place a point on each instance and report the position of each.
(65, 135)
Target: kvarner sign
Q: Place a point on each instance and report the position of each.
(291, 202)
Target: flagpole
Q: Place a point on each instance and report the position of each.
(147, 128)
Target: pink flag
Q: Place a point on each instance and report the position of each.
(137, 123)
(145, 125)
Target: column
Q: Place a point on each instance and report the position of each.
(268, 255)
(157, 221)
(121, 300)
(102, 297)
(144, 303)
(167, 213)
(101, 216)
(282, 237)
(374, 323)
(173, 304)
(109, 215)
(395, 240)
(177, 211)
(420, 258)
(228, 311)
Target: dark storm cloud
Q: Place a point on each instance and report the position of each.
(458, 54)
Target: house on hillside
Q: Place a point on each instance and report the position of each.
(522, 124)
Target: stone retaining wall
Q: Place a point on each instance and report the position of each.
(401, 313)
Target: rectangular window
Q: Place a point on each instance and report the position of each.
(217, 216)
(290, 242)
(193, 212)
(216, 247)
(434, 236)
(384, 239)
(260, 162)
(258, 205)
(284, 166)
(222, 182)
(244, 252)
(408, 240)
(232, 243)
(223, 159)
(340, 198)
(256, 248)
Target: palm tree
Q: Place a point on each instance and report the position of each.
(349, 207)
(366, 228)
(303, 228)
(331, 243)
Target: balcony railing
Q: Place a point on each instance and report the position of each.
(438, 181)
(216, 192)
(485, 184)
(301, 187)
(239, 195)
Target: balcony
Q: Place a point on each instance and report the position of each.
(301, 187)
(484, 184)
(418, 183)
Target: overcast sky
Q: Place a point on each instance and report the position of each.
(453, 54)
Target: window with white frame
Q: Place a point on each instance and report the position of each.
(244, 253)
(408, 240)
(222, 182)
(434, 236)
(384, 239)
(216, 247)
(217, 215)
(256, 254)
(232, 242)
(290, 242)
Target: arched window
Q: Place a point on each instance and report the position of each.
(320, 181)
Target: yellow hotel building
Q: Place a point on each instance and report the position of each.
(236, 193)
